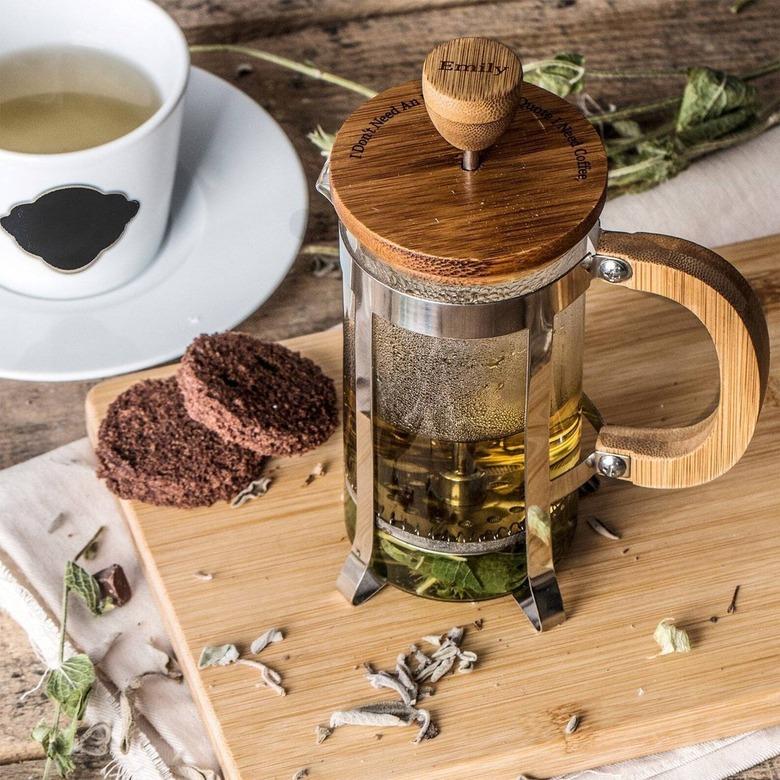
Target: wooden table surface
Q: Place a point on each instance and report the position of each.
(378, 43)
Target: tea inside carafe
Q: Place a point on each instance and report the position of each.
(449, 457)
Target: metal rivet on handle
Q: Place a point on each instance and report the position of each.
(613, 270)
(612, 466)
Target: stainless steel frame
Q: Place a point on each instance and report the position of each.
(367, 297)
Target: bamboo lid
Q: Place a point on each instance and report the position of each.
(470, 176)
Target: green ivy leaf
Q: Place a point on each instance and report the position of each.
(562, 75)
(713, 104)
(82, 583)
(70, 683)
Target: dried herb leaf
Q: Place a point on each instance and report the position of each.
(83, 584)
(318, 471)
(265, 639)
(562, 75)
(254, 489)
(649, 163)
(322, 140)
(386, 713)
(713, 104)
(217, 655)
(322, 732)
(671, 639)
(70, 683)
(268, 676)
(602, 529)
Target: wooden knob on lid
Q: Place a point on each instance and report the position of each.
(471, 88)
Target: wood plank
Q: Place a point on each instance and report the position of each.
(20, 672)
(681, 554)
(33, 770)
(232, 20)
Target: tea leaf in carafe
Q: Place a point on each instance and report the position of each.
(498, 573)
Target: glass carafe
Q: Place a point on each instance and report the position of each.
(449, 428)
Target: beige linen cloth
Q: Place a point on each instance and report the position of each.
(728, 197)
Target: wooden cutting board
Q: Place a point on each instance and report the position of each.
(681, 555)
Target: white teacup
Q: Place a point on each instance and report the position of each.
(131, 176)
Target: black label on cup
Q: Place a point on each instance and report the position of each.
(70, 227)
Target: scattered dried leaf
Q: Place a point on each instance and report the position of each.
(254, 489)
(318, 471)
(602, 529)
(670, 638)
(217, 655)
(268, 637)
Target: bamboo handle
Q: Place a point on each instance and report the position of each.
(722, 299)
(471, 88)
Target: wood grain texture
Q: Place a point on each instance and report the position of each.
(722, 299)
(471, 87)
(681, 554)
(399, 187)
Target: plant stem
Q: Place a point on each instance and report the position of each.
(671, 102)
(770, 118)
(632, 111)
(619, 144)
(60, 658)
(89, 544)
(637, 74)
(326, 250)
(761, 70)
(626, 170)
(284, 62)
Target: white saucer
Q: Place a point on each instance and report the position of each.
(239, 213)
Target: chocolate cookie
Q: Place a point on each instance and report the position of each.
(151, 450)
(257, 394)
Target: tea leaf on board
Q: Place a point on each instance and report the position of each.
(266, 638)
(217, 655)
(671, 639)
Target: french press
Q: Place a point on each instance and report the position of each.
(469, 234)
